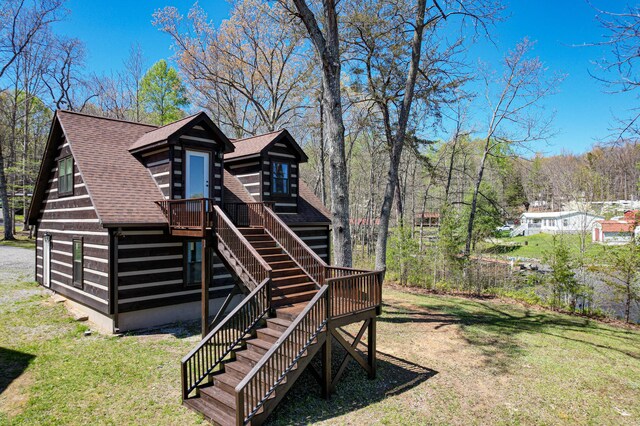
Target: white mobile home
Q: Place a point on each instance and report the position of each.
(567, 222)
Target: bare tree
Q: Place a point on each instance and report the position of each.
(515, 117)
(20, 22)
(619, 71)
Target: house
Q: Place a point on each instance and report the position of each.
(617, 230)
(139, 225)
(428, 219)
(563, 222)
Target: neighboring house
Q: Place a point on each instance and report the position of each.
(565, 222)
(139, 225)
(428, 219)
(617, 230)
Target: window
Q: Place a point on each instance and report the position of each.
(65, 176)
(77, 262)
(279, 178)
(193, 267)
(565, 222)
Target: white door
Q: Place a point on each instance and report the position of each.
(197, 178)
(46, 261)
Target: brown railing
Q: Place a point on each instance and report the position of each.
(349, 294)
(191, 214)
(198, 364)
(306, 258)
(246, 214)
(257, 386)
(240, 249)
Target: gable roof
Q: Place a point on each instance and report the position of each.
(175, 129)
(616, 226)
(258, 144)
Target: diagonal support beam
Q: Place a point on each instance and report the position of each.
(351, 352)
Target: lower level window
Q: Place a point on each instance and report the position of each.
(77, 262)
(193, 267)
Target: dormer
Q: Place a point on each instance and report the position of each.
(185, 157)
(268, 167)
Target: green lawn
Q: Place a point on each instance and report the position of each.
(441, 360)
(22, 238)
(534, 246)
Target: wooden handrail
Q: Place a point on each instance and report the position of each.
(350, 294)
(246, 255)
(301, 254)
(224, 338)
(281, 358)
(191, 214)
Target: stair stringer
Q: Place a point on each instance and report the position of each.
(286, 384)
(233, 265)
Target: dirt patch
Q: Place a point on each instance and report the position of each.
(14, 399)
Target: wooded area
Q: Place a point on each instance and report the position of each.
(367, 88)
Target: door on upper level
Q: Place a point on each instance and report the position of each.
(197, 175)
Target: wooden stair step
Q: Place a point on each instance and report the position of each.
(282, 264)
(252, 231)
(291, 279)
(293, 288)
(216, 395)
(259, 345)
(275, 257)
(284, 272)
(210, 411)
(266, 251)
(290, 313)
(228, 380)
(269, 334)
(249, 355)
(264, 244)
(279, 324)
(292, 299)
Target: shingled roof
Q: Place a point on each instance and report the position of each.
(100, 149)
(258, 144)
(173, 130)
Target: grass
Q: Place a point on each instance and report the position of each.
(441, 360)
(22, 238)
(534, 246)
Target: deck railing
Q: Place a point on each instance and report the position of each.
(198, 364)
(192, 214)
(246, 214)
(350, 294)
(238, 247)
(261, 382)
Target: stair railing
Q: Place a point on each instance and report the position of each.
(301, 254)
(243, 252)
(228, 335)
(257, 386)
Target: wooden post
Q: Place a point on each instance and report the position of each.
(371, 355)
(326, 365)
(205, 279)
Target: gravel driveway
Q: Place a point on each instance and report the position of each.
(16, 264)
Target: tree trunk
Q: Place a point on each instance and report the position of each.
(474, 202)
(4, 197)
(323, 179)
(328, 51)
(398, 142)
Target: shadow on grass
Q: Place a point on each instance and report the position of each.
(12, 365)
(495, 331)
(303, 403)
(501, 249)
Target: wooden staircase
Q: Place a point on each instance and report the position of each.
(242, 368)
(290, 284)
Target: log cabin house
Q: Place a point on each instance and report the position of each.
(139, 225)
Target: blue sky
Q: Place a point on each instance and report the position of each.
(584, 112)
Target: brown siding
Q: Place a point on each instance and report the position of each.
(150, 271)
(316, 237)
(248, 173)
(65, 218)
(283, 203)
(157, 161)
